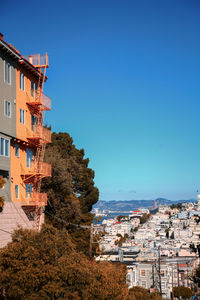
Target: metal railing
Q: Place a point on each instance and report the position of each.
(39, 132)
(34, 199)
(41, 169)
(39, 98)
(38, 60)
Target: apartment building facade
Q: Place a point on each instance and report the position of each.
(22, 134)
(7, 116)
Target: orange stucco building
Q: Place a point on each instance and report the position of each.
(27, 143)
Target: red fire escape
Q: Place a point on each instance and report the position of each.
(38, 137)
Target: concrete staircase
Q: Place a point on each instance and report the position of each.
(11, 217)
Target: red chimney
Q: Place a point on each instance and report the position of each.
(1, 36)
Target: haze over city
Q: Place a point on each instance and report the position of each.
(125, 81)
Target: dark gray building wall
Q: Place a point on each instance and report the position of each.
(7, 92)
(7, 124)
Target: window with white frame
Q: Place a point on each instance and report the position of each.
(7, 108)
(4, 147)
(22, 81)
(163, 285)
(34, 88)
(16, 191)
(2, 141)
(144, 284)
(29, 190)
(7, 148)
(22, 116)
(7, 72)
(17, 150)
(29, 157)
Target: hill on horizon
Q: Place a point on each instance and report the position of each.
(127, 205)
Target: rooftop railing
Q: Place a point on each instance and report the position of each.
(38, 60)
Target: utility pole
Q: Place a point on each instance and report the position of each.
(178, 281)
(159, 273)
(187, 275)
(172, 283)
(91, 241)
(153, 267)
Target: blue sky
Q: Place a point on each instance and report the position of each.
(124, 80)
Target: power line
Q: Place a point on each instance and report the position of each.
(6, 231)
(68, 223)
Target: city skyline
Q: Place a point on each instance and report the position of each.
(125, 80)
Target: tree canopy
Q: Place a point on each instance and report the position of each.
(2, 182)
(145, 217)
(196, 275)
(139, 293)
(183, 292)
(71, 190)
(46, 265)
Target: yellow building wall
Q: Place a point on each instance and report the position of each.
(23, 130)
(18, 168)
(18, 164)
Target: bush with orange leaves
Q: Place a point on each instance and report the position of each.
(46, 265)
(2, 182)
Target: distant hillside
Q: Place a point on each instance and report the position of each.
(127, 205)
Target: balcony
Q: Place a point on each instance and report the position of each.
(35, 199)
(38, 60)
(38, 134)
(38, 100)
(36, 169)
(43, 169)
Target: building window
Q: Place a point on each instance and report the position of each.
(7, 108)
(4, 147)
(144, 284)
(16, 191)
(22, 81)
(162, 273)
(7, 72)
(17, 150)
(27, 195)
(163, 285)
(34, 121)
(34, 87)
(142, 272)
(22, 116)
(7, 148)
(29, 190)
(29, 157)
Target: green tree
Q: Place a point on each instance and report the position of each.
(46, 265)
(2, 182)
(196, 275)
(144, 218)
(183, 292)
(71, 190)
(139, 293)
(75, 177)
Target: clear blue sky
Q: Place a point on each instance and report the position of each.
(124, 80)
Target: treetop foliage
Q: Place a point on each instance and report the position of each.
(139, 293)
(145, 217)
(183, 292)
(2, 182)
(46, 265)
(72, 181)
